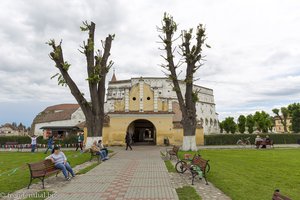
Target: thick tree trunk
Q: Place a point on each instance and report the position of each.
(94, 128)
(189, 143)
(189, 138)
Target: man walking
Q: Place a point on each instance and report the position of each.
(128, 141)
(80, 139)
(50, 143)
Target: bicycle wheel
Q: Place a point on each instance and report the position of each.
(181, 166)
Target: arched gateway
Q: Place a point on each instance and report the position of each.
(142, 131)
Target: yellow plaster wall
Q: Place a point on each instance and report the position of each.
(134, 92)
(115, 133)
(148, 104)
(119, 105)
(162, 105)
(178, 137)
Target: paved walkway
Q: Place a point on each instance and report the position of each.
(207, 192)
(137, 174)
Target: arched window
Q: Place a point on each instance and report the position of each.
(206, 121)
(211, 122)
(215, 122)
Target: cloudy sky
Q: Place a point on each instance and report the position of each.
(254, 62)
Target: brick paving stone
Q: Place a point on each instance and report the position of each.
(137, 174)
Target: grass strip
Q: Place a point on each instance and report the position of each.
(187, 193)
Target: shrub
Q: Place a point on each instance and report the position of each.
(72, 139)
(230, 139)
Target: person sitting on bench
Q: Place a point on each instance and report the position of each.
(258, 141)
(101, 153)
(60, 161)
(101, 146)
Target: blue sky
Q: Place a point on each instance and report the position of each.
(253, 63)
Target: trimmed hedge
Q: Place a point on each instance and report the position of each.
(231, 139)
(26, 140)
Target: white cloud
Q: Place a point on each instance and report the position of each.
(253, 63)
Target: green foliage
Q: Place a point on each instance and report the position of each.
(242, 123)
(296, 121)
(60, 79)
(66, 66)
(294, 111)
(94, 78)
(170, 26)
(187, 193)
(229, 125)
(262, 121)
(250, 123)
(229, 139)
(293, 107)
(85, 26)
(195, 97)
(72, 139)
(276, 111)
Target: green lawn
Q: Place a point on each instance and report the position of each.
(254, 174)
(187, 193)
(12, 179)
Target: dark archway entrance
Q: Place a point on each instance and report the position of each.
(143, 132)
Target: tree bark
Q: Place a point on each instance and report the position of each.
(97, 69)
(191, 56)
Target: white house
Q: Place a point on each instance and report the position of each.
(62, 119)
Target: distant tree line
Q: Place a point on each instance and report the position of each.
(263, 122)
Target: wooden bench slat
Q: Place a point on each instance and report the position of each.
(41, 170)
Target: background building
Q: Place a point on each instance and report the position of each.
(279, 128)
(13, 130)
(146, 107)
(161, 97)
(60, 120)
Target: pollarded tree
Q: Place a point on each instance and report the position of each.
(191, 55)
(97, 66)
(285, 113)
(242, 123)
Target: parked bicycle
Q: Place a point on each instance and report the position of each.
(244, 141)
(197, 166)
(186, 163)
